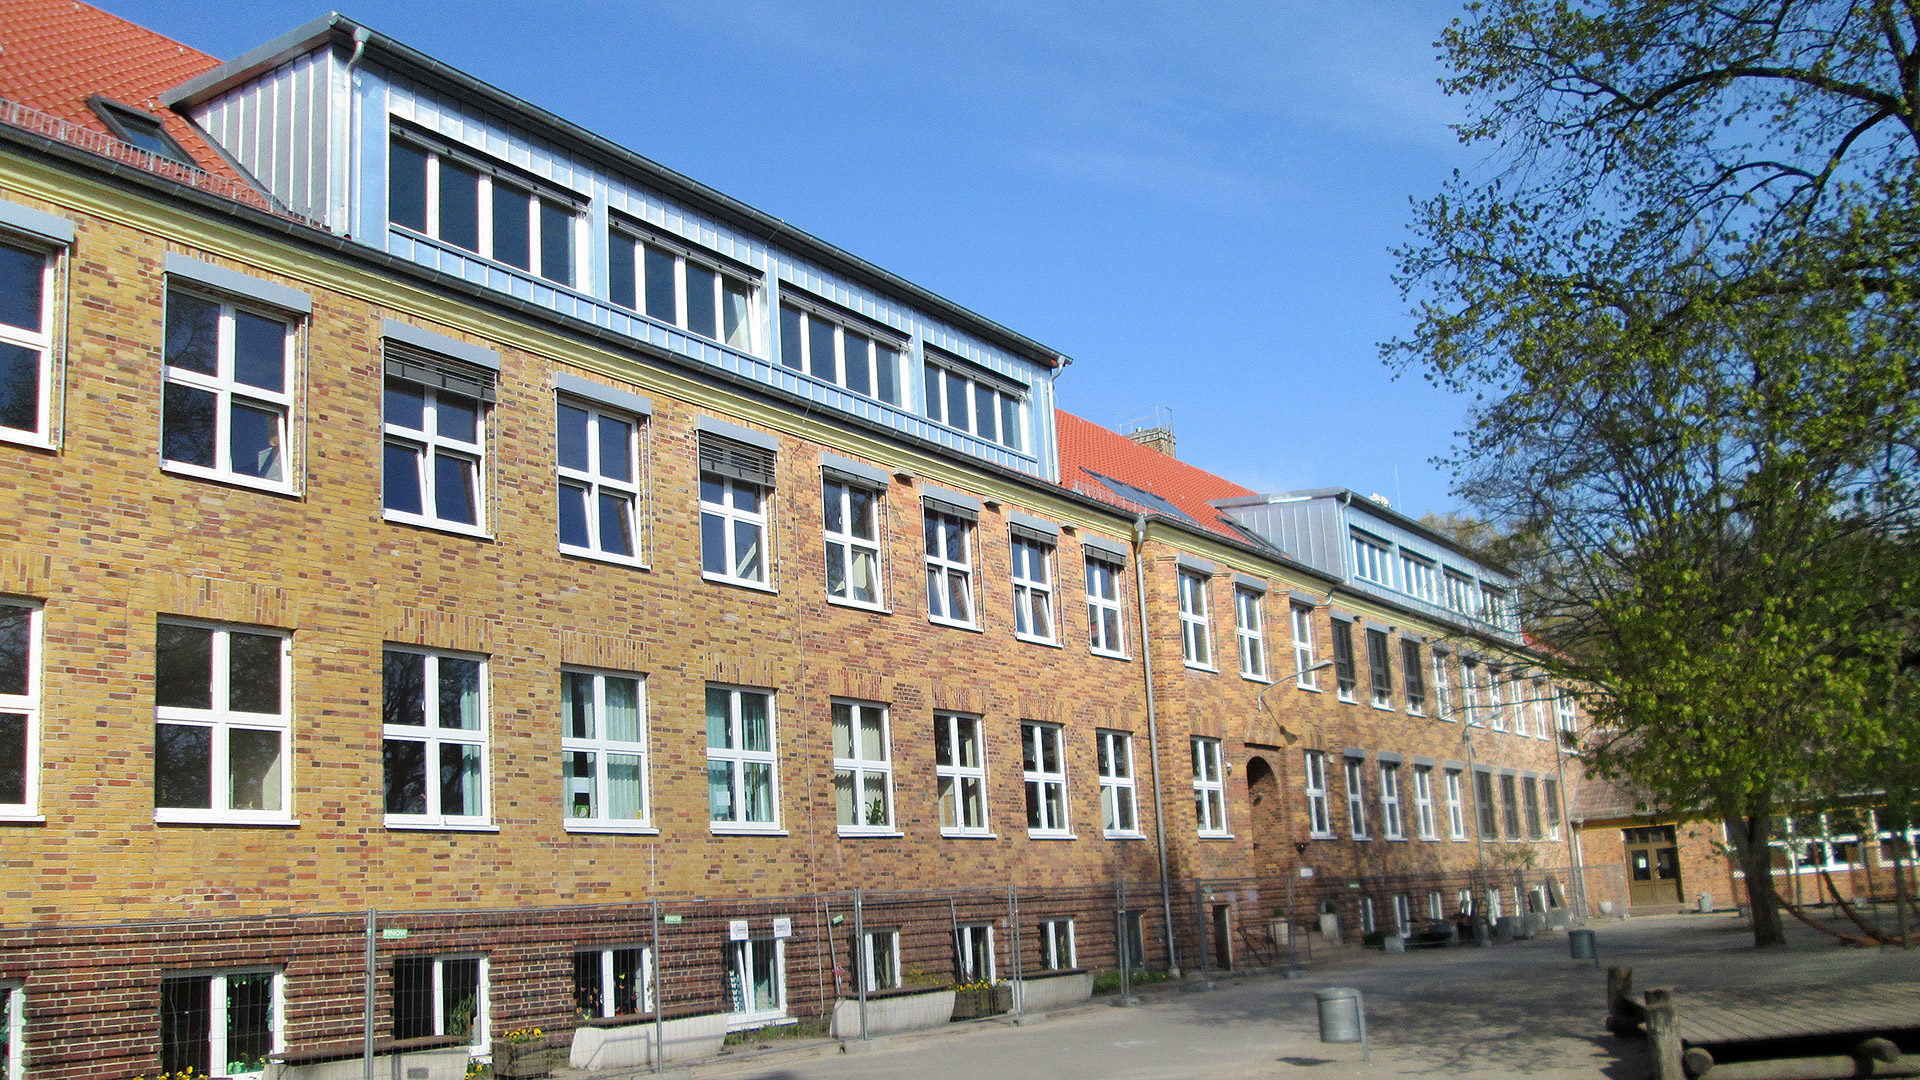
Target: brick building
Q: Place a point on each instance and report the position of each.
(439, 548)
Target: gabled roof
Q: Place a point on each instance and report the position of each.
(1105, 464)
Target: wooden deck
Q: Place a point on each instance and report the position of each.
(1721, 1017)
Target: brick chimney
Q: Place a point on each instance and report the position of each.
(1151, 427)
(1155, 438)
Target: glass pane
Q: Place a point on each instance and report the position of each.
(836, 569)
(820, 358)
(845, 807)
(620, 283)
(13, 758)
(860, 503)
(936, 593)
(253, 769)
(746, 551)
(459, 205)
(713, 544)
(872, 737)
(260, 351)
(842, 730)
(183, 667)
(734, 324)
(459, 780)
(456, 417)
(701, 284)
(959, 600)
(832, 507)
(948, 808)
(719, 719)
(886, 374)
(855, 348)
(969, 740)
(459, 997)
(255, 433)
(662, 301)
(453, 489)
(931, 380)
(573, 516)
(572, 425)
(1049, 750)
(791, 354)
(756, 728)
(1010, 432)
(956, 400)
(616, 524)
(186, 1019)
(19, 387)
(22, 277)
(556, 243)
(616, 449)
(576, 705)
(193, 333)
(623, 709)
(866, 577)
(407, 186)
(943, 741)
(720, 790)
(459, 694)
(406, 405)
(985, 419)
(183, 766)
(624, 801)
(190, 425)
(972, 805)
(253, 667)
(579, 776)
(759, 792)
(249, 1022)
(403, 679)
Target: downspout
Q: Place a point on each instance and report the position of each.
(361, 35)
(1153, 741)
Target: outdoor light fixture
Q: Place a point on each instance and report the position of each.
(1260, 699)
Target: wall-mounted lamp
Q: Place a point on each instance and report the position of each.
(1260, 699)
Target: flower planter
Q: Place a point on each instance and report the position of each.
(520, 1061)
(984, 1001)
(897, 1012)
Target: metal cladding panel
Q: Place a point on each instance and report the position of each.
(277, 127)
(1307, 529)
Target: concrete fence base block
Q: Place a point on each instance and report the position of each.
(865, 1046)
(1030, 1019)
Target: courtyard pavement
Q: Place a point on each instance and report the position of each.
(1519, 1010)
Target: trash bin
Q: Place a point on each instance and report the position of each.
(1704, 903)
(1583, 946)
(1340, 1020)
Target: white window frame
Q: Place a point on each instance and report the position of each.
(1033, 595)
(1058, 950)
(435, 736)
(1565, 717)
(1496, 696)
(601, 747)
(1413, 679)
(734, 517)
(737, 757)
(744, 337)
(1118, 785)
(1393, 825)
(1209, 788)
(944, 568)
(1100, 605)
(976, 940)
(1372, 559)
(603, 961)
(1009, 409)
(1319, 813)
(27, 706)
(41, 341)
(1379, 669)
(13, 1013)
(888, 965)
(222, 722)
(428, 445)
(1462, 594)
(595, 483)
(228, 392)
(1301, 617)
(537, 195)
(1456, 805)
(847, 543)
(1470, 693)
(1196, 622)
(739, 967)
(953, 729)
(1356, 778)
(1423, 802)
(1442, 685)
(1368, 924)
(1420, 577)
(1541, 692)
(1493, 606)
(868, 778)
(1402, 914)
(1046, 817)
(480, 1040)
(1436, 906)
(217, 1010)
(842, 361)
(1250, 627)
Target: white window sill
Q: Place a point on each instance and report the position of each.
(15, 817)
(1308, 689)
(1136, 835)
(1380, 707)
(869, 832)
(727, 828)
(1394, 839)
(1260, 679)
(1208, 668)
(1367, 839)
(968, 834)
(1215, 835)
(436, 524)
(178, 816)
(420, 825)
(27, 438)
(1321, 836)
(197, 472)
(1051, 643)
(589, 825)
(1109, 654)
(1411, 711)
(605, 557)
(1050, 834)
(1347, 699)
(840, 601)
(938, 621)
(743, 583)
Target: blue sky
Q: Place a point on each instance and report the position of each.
(1195, 201)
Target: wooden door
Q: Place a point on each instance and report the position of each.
(1653, 866)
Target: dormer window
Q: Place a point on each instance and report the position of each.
(482, 207)
(137, 128)
(678, 286)
(961, 396)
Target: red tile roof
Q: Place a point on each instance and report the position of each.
(55, 54)
(1089, 451)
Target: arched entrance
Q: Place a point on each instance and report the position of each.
(1267, 827)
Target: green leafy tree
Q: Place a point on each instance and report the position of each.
(1683, 291)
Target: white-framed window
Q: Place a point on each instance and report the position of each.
(1564, 715)
(1379, 669)
(480, 206)
(1419, 577)
(1043, 769)
(733, 530)
(1423, 802)
(1106, 624)
(1462, 597)
(677, 286)
(1372, 559)
(1497, 697)
(1209, 787)
(851, 526)
(974, 402)
(1057, 951)
(1119, 806)
(222, 707)
(1357, 798)
(599, 484)
(975, 944)
(1250, 627)
(1436, 906)
(842, 352)
(1033, 590)
(1196, 624)
(877, 959)
(27, 291)
(603, 738)
(949, 568)
(756, 980)
(1416, 681)
(1402, 914)
(743, 778)
(610, 982)
(1486, 808)
(442, 997)
(960, 773)
(19, 709)
(1494, 607)
(1367, 922)
(1392, 824)
(862, 768)
(1319, 815)
(1346, 679)
(1530, 793)
(1537, 706)
(1470, 694)
(1442, 685)
(1303, 652)
(1495, 906)
(1550, 798)
(435, 447)
(221, 1023)
(434, 725)
(13, 1031)
(1456, 806)
(228, 400)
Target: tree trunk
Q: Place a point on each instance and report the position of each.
(1749, 837)
(1900, 890)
